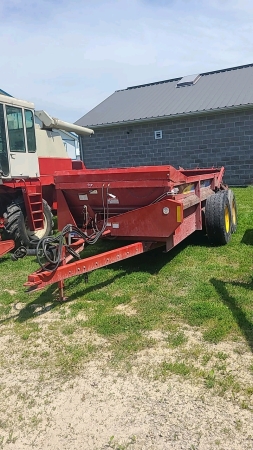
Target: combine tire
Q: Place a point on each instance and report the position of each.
(17, 225)
(218, 218)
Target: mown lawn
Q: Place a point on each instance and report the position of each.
(195, 285)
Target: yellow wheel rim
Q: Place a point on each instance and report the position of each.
(233, 214)
(227, 219)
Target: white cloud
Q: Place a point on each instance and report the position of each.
(69, 56)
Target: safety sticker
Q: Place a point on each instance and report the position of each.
(83, 197)
(113, 201)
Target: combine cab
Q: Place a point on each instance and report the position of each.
(29, 156)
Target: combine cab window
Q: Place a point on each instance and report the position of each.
(4, 164)
(16, 129)
(30, 132)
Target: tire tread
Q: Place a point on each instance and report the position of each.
(16, 221)
(214, 218)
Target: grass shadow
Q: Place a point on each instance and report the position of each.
(153, 261)
(89, 289)
(247, 237)
(242, 321)
(47, 300)
(5, 258)
(27, 312)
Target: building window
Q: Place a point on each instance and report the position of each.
(158, 134)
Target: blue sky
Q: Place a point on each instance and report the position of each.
(68, 56)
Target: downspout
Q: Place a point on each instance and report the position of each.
(81, 149)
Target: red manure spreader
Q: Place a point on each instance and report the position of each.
(147, 206)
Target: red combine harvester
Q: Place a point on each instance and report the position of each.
(30, 153)
(150, 206)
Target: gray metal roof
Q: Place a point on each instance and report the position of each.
(221, 89)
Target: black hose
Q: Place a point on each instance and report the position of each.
(50, 248)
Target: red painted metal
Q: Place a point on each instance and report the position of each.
(151, 206)
(50, 165)
(34, 190)
(32, 194)
(132, 189)
(6, 247)
(148, 222)
(40, 279)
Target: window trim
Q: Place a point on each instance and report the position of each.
(27, 146)
(5, 174)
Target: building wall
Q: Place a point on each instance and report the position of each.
(197, 141)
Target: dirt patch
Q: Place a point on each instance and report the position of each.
(10, 291)
(102, 409)
(125, 309)
(106, 407)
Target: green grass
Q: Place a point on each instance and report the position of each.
(177, 368)
(177, 339)
(196, 285)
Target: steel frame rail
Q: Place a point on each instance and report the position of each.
(42, 278)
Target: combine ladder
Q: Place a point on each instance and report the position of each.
(32, 193)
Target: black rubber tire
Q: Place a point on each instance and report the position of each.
(233, 208)
(16, 223)
(218, 218)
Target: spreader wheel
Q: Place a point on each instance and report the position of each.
(218, 218)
